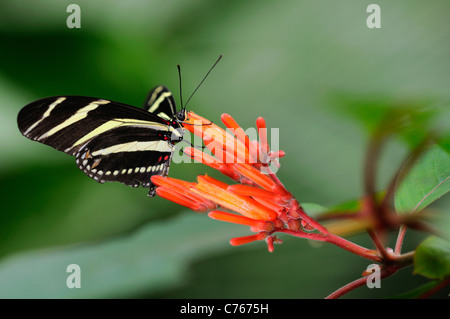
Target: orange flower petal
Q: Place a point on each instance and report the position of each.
(259, 178)
(240, 134)
(159, 180)
(237, 219)
(223, 144)
(179, 191)
(247, 239)
(272, 205)
(262, 131)
(200, 156)
(194, 121)
(201, 127)
(277, 154)
(226, 170)
(176, 197)
(223, 153)
(205, 179)
(212, 162)
(216, 191)
(270, 244)
(252, 191)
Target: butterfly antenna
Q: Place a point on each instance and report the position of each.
(181, 93)
(204, 78)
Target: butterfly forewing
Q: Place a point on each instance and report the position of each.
(111, 141)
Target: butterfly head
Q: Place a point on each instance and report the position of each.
(181, 115)
(178, 131)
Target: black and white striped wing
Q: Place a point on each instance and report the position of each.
(127, 156)
(111, 141)
(161, 103)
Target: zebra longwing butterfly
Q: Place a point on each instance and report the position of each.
(111, 141)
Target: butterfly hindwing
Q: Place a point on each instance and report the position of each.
(111, 141)
(161, 103)
(131, 159)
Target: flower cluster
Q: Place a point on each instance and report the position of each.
(257, 199)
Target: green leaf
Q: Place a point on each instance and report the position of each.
(383, 116)
(313, 209)
(351, 206)
(153, 258)
(432, 258)
(418, 292)
(428, 180)
(444, 142)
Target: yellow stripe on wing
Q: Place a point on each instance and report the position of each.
(78, 116)
(161, 98)
(160, 146)
(46, 114)
(118, 123)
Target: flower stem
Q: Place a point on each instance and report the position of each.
(391, 265)
(347, 288)
(353, 248)
(378, 244)
(356, 284)
(338, 241)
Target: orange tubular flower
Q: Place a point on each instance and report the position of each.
(178, 191)
(259, 200)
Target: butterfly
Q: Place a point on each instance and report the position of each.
(111, 141)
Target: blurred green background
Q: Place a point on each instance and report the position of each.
(283, 60)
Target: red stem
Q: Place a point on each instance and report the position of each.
(435, 289)
(338, 241)
(353, 248)
(356, 284)
(378, 244)
(347, 288)
(301, 234)
(296, 206)
(391, 265)
(400, 238)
